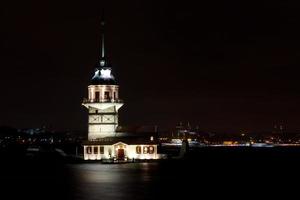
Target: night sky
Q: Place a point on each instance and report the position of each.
(222, 65)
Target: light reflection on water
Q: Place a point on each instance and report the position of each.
(113, 181)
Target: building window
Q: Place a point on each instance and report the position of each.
(95, 150)
(101, 150)
(96, 111)
(115, 97)
(145, 150)
(151, 149)
(89, 150)
(138, 149)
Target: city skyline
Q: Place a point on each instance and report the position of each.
(224, 68)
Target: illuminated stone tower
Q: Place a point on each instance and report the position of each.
(103, 100)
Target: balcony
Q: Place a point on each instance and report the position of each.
(102, 100)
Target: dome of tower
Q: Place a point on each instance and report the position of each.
(103, 76)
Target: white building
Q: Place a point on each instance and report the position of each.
(103, 103)
(121, 149)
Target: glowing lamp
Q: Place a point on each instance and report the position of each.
(102, 63)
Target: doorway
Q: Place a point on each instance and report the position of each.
(121, 154)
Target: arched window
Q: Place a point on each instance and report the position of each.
(138, 149)
(101, 150)
(151, 149)
(89, 150)
(95, 150)
(145, 150)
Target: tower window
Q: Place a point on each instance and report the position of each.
(106, 95)
(115, 95)
(97, 96)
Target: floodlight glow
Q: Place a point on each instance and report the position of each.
(96, 74)
(105, 73)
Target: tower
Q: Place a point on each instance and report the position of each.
(103, 100)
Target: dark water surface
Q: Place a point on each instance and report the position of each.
(118, 181)
(203, 174)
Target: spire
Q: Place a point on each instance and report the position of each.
(102, 59)
(102, 74)
(102, 35)
(102, 38)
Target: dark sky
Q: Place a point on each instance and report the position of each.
(223, 65)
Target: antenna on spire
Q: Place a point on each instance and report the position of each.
(102, 36)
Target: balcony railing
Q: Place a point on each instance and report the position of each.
(102, 101)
